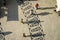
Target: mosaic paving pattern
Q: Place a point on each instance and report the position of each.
(2, 37)
(34, 24)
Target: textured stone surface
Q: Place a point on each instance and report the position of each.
(51, 24)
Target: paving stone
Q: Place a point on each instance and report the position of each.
(2, 37)
(34, 23)
(35, 29)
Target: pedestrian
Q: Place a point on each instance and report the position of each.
(37, 5)
(32, 11)
(58, 6)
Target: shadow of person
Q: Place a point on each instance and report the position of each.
(5, 33)
(28, 22)
(44, 8)
(43, 13)
(34, 35)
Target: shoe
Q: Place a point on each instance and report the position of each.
(24, 35)
(55, 10)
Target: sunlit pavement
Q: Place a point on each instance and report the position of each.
(50, 24)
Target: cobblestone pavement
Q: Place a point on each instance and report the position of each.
(33, 22)
(50, 21)
(2, 37)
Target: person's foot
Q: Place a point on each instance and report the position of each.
(24, 35)
(55, 10)
(21, 20)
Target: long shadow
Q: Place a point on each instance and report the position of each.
(29, 22)
(44, 8)
(12, 11)
(5, 33)
(34, 35)
(43, 13)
